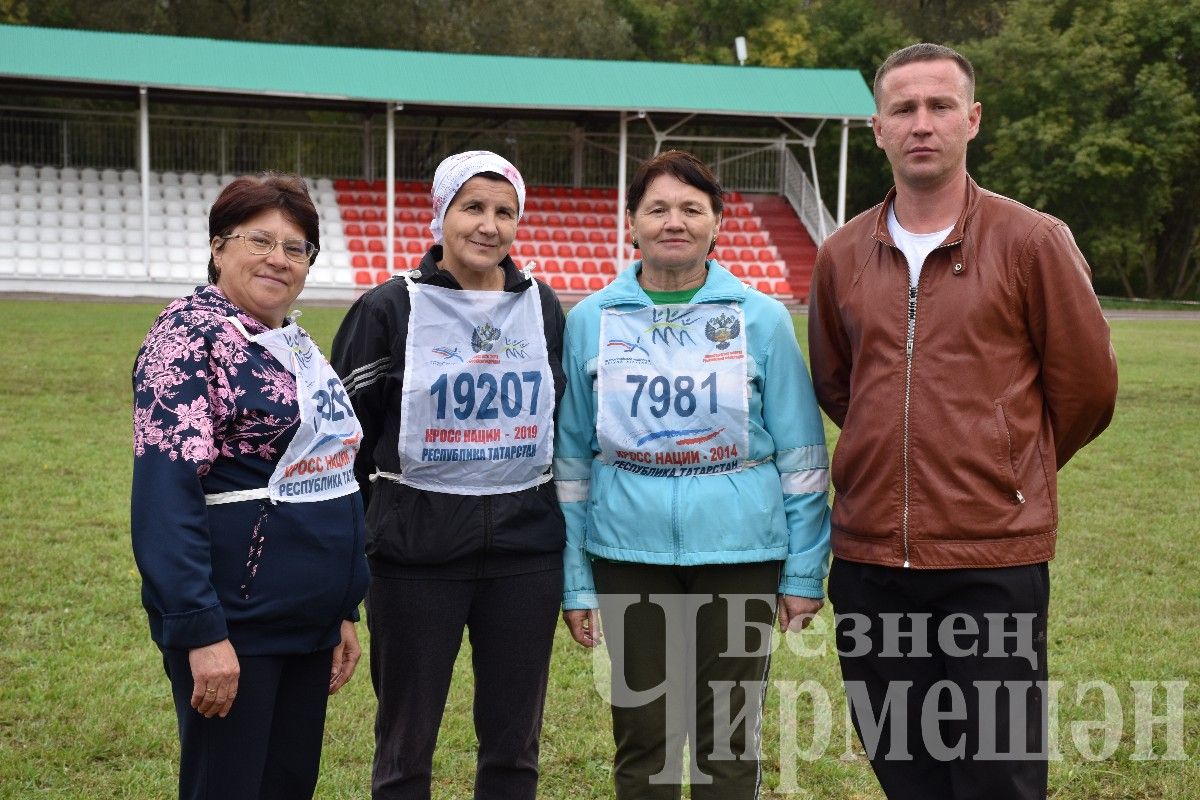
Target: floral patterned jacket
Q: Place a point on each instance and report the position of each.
(214, 413)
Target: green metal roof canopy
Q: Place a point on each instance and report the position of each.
(423, 78)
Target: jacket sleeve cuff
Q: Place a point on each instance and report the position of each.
(802, 587)
(194, 629)
(579, 600)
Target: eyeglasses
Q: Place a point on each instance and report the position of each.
(261, 243)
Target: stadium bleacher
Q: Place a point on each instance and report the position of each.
(86, 225)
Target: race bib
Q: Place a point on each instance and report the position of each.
(672, 390)
(478, 399)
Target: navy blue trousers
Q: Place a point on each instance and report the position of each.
(269, 745)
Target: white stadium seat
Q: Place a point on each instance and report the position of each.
(8, 220)
(109, 176)
(47, 187)
(132, 236)
(71, 234)
(209, 180)
(92, 220)
(8, 200)
(114, 206)
(113, 235)
(89, 175)
(49, 202)
(68, 175)
(70, 219)
(27, 220)
(48, 173)
(89, 189)
(26, 171)
(170, 178)
(110, 190)
(8, 171)
(73, 204)
(131, 191)
(27, 202)
(69, 189)
(72, 267)
(91, 236)
(47, 234)
(130, 177)
(50, 251)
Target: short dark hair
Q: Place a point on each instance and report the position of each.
(681, 165)
(924, 52)
(250, 195)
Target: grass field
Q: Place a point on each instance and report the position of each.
(84, 704)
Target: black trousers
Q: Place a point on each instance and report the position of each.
(690, 650)
(945, 674)
(269, 745)
(416, 630)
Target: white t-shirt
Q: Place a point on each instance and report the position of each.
(915, 246)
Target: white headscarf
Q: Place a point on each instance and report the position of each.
(456, 170)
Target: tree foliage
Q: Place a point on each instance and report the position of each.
(1096, 121)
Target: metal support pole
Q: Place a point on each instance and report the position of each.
(144, 165)
(842, 160)
(577, 156)
(622, 157)
(390, 228)
(812, 160)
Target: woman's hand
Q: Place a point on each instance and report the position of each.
(345, 657)
(796, 612)
(584, 624)
(215, 672)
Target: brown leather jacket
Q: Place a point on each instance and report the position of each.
(957, 410)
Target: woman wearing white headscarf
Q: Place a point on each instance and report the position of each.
(454, 370)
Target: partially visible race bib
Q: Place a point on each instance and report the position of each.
(319, 462)
(477, 412)
(672, 390)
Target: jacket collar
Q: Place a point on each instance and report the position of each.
(720, 286)
(973, 194)
(429, 272)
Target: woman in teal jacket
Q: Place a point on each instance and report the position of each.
(692, 471)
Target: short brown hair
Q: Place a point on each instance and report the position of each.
(924, 52)
(250, 195)
(678, 164)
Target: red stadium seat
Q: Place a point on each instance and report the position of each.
(564, 251)
(371, 215)
(425, 215)
(570, 266)
(571, 221)
(382, 275)
(755, 271)
(357, 246)
(590, 268)
(558, 283)
(411, 232)
(774, 271)
(737, 269)
(362, 277)
(577, 284)
(359, 262)
(554, 220)
(345, 199)
(350, 215)
(559, 235)
(545, 251)
(583, 251)
(353, 229)
(578, 236)
(371, 229)
(783, 288)
(375, 246)
(608, 267)
(746, 255)
(764, 286)
(550, 265)
(751, 224)
(341, 184)
(595, 283)
(541, 235)
(358, 185)
(405, 215)
(399, 262)
(733, 197)
(758, 240)
(379, 262)
(765, 254)
(596, 237)
(414, 246)
(525, 249)
(731, 224)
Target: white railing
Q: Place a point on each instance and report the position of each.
(547, 157)
(801, 193)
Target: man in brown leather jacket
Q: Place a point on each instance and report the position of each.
(957, 342)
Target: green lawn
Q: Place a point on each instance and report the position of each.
(84, 705)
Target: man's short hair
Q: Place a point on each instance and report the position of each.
(924, 52)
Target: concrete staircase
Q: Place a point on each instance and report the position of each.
(796, 248)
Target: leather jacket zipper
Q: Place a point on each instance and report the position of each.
(910, 337)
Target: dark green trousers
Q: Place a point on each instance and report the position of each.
(690, 650)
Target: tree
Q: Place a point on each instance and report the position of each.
(1090, 113)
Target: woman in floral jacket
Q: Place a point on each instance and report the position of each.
(247, 521)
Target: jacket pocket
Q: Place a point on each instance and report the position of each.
(1005, 451)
